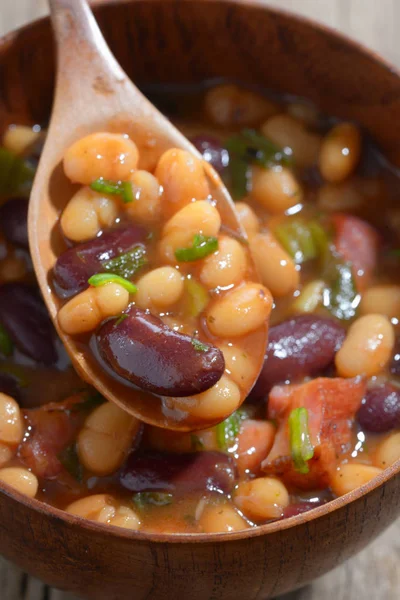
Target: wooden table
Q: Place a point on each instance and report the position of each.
(375, 573)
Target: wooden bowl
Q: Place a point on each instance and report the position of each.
(186, 42)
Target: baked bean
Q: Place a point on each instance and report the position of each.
(101, 155)
(216, 403)
(19, 139)
(388, 451)
(229, 105)
(182, 178)
(239, 365)
(276, 268)
(11, 428)
(198, 217)
(12, 268)
(340, 152)
(288, 132)
(126, 518)
(225, 267)
(276, 189)
(88, 309)
(103, 508)
(218, 518)
(345, 196)
(240, 311)
(146, 207)
(247, 217)
(382, 300)
(351, 476)
(20, 479)
(161, 287)
(87, 213)
(254, 443)
(367, 348)
(106, 438)
(262, 498)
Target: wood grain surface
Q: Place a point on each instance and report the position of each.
(373, 574)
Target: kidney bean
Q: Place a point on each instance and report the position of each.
(74, 267)
(182, 473)
(304, 345)
(142, 349)
(212, 151)
(14, 221)
(380, 409)
(25, 316)
(395, 363)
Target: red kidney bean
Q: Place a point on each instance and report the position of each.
(212, 151)
(380, 409)
(14, 221)
(304, 345)
(142, 349)
(25, 317)
(395, 364)
(182, 473)
(74, 267)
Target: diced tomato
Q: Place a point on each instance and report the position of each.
(357, 242)
(255, 441)
(331, 405)
(49, 430)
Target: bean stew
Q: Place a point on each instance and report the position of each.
(172, 304)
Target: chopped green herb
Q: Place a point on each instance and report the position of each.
(120, 319)
(202, 246)
(228, 430)
(395, 252)
(114, 188)
(6, 345)
(142, 500)
(246, 148)
(199, 346)
(91, 401)
(196, 297)
(128, 264)
(268, 153)
(16, 175)
(104, 278)
(300, 444)
(196, 442)
(69, 459)
(238, 177)
(340, 296)
(302, 240)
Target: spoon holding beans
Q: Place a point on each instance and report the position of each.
(137, 248)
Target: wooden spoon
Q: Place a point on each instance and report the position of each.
(94, 94)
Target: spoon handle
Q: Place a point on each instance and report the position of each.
(85, 64)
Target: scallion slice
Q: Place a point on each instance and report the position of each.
(228, 430)
(105, 278)
(142, 500)
(114, 188)
(301, 447)
(196, 297)
(16, 175)
(202, 246)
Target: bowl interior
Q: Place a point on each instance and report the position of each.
(182, 42)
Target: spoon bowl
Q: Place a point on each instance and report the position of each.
(94, 94)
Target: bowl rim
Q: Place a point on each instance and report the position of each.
(326, 509)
